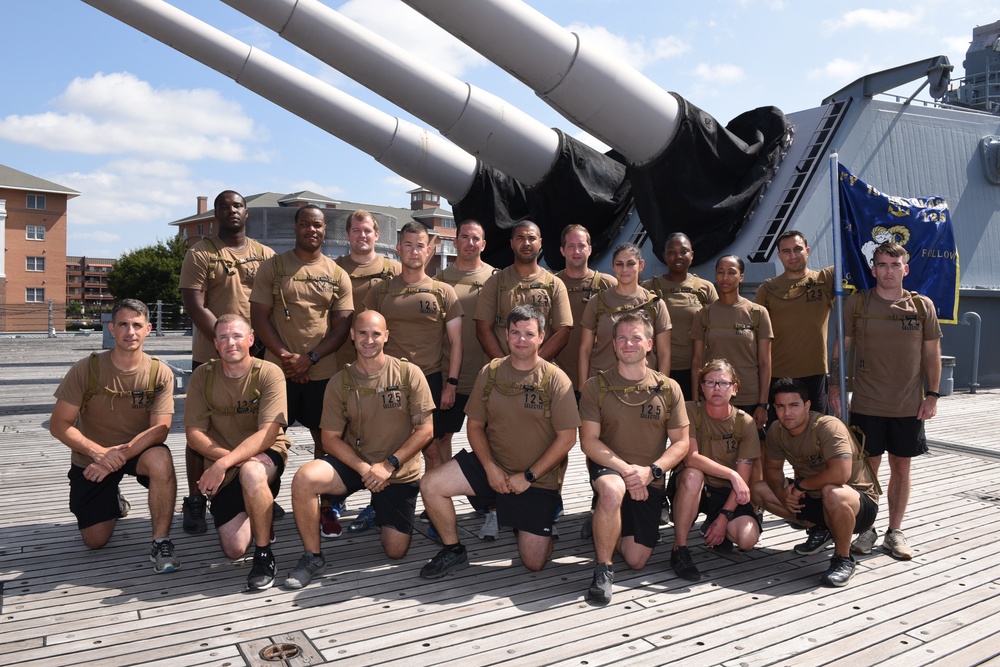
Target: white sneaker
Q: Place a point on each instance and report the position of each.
(491, 527)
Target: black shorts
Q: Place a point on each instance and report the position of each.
(394, 507)
(227, 504)
(95, 502)
(713, 498)
(451, 420)
(900, 436)
(812, 512)
(640, 518)
(682, 376)
(819, 390)
(305, 402)
(434, 383)
(531, 511)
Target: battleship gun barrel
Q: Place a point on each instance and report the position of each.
(483, 124)
(610, 99)
(407, 149)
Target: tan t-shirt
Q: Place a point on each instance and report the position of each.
(416, 316)
(516, 427)
(888, 341)
(724, 441)
(599, 318)
(506, 289)
(581, 291)
(376, 417)
(114, 419)
(800, 316)
(825, 438)
(468, 287)
(206, 268)
(363, 276)
(732, 334)
(634, 421)
(238, 411)
(309, 292)
(684, 301)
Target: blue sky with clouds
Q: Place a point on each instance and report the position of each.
(141, 130)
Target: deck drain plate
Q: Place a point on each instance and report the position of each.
(280, 652)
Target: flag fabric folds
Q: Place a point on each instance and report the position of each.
(921, 225)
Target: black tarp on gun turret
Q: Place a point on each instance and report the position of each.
(583, 187)
(708, 180)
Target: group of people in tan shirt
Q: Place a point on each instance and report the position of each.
(669, 382)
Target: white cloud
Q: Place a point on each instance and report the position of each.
(127, 203)
(403, 25)
(637, 53)
(326, 189)
(839, 70)
(879, 20)
(722, 73)
(120, 114)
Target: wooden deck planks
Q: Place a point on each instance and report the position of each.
(63, 605)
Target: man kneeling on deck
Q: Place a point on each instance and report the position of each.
(234, 417)
(376, 418)
(113, 410)
(627, 415)
(833, 487)
(522, 424)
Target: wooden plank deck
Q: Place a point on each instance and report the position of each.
(61, 604)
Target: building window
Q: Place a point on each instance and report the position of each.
(201, 230)
(448, 223)
(36, 202)
(34, 264)
(34, 295)
(35, 233)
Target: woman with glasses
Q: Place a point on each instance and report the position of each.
(739, 330)
(596, 349)
(715, 475)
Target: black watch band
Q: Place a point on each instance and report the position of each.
(798, 486)
(729, 514)
(530, 476)
(932, 393)
(453, 381)
(313, 357)
(394, 462)
(657, 471)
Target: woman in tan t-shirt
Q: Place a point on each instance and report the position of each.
(596, 349)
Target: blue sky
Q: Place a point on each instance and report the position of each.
(141, 130)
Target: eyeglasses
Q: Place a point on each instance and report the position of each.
(721, 384)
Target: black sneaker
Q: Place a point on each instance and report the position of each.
(263, 572)
(194, 515)
(278, 512)
(680, 560)
(444, 562)
(840, 572)
(817, 539)
(587, 529)
(600, 587)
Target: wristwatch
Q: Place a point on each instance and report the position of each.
(729, 514)
(453, 381)
(530, 476)
(798, 486)
(657, 471)
(394, 462)
(313, 357)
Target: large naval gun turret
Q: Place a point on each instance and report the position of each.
(672, 167)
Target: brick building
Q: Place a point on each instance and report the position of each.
(87, 284)
(33, 264)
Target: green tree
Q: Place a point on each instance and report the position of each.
(149, 274)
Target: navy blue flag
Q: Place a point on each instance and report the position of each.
(921, 225)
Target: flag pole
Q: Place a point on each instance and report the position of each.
(838, 281)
